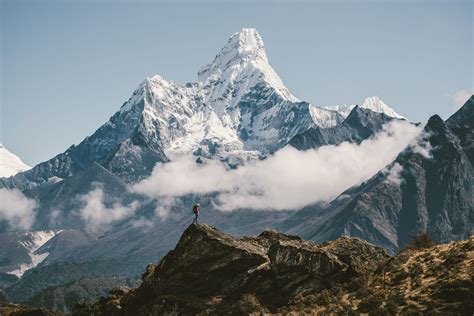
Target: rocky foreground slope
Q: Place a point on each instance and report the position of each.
(7, 309)
(212, 273)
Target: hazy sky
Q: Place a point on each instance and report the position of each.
(67, 66)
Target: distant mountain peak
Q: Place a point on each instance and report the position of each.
(10, 164)
(246, 43)
(243, 46)
(241, 64)
(373, 103)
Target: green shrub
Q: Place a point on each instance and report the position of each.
(420, 240)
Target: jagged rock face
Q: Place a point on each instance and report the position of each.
(302, 267)
(92, 149)
(359, 125)
(203, 260)
(429, 186)
(209, 270)
(211, 273)
(134, 158)
(461, 124)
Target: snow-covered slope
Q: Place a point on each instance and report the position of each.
(374, 104)
(240, 65)
(238, 106)
(10, 164)
(21, 251)
(325, 118)
(238, 109)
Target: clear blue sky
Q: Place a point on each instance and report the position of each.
(67, 66)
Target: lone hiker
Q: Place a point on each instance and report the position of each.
(196, 210)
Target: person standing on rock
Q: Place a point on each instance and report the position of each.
(196, 210)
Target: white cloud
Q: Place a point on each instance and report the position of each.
(287, 180)
(460, 97)
(142, 223)
(97, 216)
(55, 217)
(163, 206)
(394, 173)
(17, 209)
(422, 146)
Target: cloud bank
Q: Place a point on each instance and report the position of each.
(17, 209)
(422, 146)
(97, 216)
(289, 179)
(393, 173)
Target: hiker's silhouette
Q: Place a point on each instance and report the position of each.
(196, 210)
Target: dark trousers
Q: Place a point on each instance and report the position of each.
(196, 215)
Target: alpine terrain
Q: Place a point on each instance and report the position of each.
(429, 187)
(238, 109)
(92, 231)
(211, 273)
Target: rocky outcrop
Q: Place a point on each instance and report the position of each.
(210, 272)
(19, 310)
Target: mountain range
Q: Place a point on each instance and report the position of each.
(429, 187)
(238, 109)
(238, 112)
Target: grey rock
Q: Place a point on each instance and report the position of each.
(433, 193)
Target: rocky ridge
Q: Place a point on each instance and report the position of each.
(358, 126)
(429, 187)
(212, 273)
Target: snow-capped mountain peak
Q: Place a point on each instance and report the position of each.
(239, 66)
(239, 109)
(233, 105)
(242, 47)
(10, 164)
(373, 103)
(377, 105)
